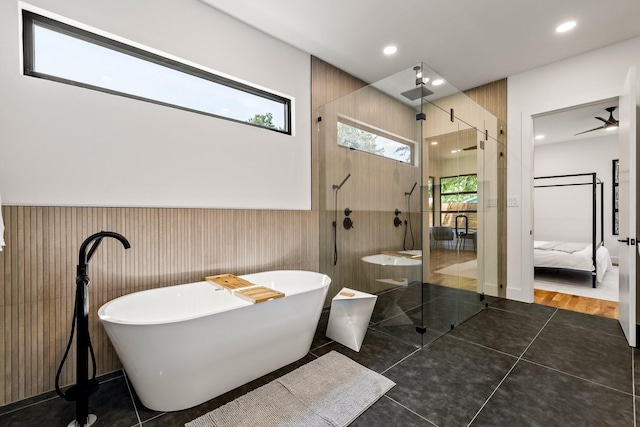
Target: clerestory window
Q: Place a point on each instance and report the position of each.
(362, 137)
(63, 53)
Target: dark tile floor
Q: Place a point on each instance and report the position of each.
(511, 364)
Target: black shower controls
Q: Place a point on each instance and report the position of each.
(397, 222)
(347, 223)
(347, 211)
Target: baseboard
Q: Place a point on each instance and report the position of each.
(491, 289)
(521, 295)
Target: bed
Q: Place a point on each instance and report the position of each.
(592, 256)
(573, 256)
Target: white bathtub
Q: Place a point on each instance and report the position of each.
(183, 345)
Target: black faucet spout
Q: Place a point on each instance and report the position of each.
(84, 257)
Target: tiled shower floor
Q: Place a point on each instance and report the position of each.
(512, 364)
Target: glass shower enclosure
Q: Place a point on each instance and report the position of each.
(409, 202)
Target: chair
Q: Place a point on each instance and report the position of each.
(441, 234)
(463, 236)
(462, 240)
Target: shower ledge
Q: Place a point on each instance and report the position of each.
(397, 261)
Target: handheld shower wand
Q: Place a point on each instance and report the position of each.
(412, 188)
(339, 186)
(407, 221)
(335, 219)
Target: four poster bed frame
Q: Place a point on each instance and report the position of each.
(596, 243)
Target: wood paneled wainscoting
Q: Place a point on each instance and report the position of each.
(168, 246)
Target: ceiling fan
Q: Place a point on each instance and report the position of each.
(611, 122)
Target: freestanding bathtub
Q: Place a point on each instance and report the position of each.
(183, 345)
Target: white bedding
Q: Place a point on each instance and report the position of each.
(579, 260)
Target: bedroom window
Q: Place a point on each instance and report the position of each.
(616, 181)
(59, 52)
(360, 136)
(459, 196)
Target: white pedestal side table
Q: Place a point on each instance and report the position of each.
(349, 317)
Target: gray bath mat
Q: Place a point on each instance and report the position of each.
(333, 390)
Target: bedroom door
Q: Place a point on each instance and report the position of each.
(628, 132)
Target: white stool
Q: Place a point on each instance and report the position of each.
(349, 317)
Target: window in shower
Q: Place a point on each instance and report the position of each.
(363, 137)
(459, 196)
(63, 53)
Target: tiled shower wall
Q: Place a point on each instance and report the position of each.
(376, 187)
(168, 246)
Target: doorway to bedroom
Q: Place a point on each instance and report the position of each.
(576, 208)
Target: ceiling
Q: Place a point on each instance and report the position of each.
(468, 42)
(562, 126)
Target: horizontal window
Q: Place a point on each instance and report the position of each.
(56, 51)
(366, 138)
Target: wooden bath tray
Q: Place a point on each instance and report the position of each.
(258, 294)
(229, 281)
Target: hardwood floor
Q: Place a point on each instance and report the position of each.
(596, 307)
(444, 257)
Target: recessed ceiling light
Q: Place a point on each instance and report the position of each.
(454, 151)
(434, 142)
(565, 27)
(611, 128)
(390, 50)
(539, 136)
(437, 82)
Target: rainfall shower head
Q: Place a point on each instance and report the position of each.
(416, 93)
(420, 91)
(337, 187)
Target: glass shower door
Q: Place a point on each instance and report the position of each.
(461, 159)
(369, 203)
(451, 274)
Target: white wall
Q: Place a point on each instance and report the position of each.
(586, 78)
(63, 145)
(565, 213)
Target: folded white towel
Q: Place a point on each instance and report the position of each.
(1, 227)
